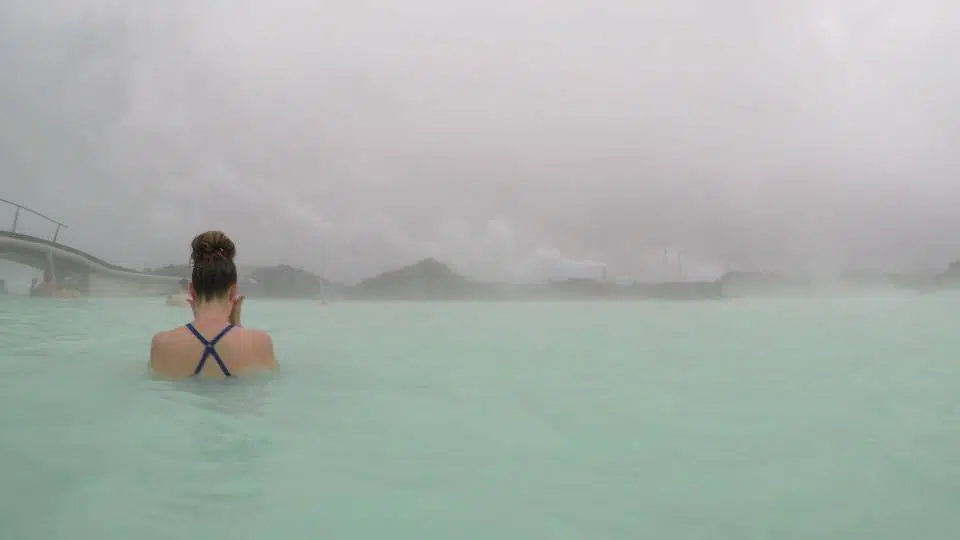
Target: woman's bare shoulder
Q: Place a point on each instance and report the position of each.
(160, 338)
(259, 344)
(167, 342)
(166, 336)
(252, 333)
(161, 348)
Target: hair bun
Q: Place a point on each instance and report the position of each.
(212, 245)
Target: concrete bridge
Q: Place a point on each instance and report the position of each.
(86, 273)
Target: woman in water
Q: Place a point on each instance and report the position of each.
(182, 298)
(214, 344)
(49, 288)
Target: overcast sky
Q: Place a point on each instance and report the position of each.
(347, 137)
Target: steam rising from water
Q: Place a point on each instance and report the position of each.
(513, 140)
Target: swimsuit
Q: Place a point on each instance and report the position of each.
(209, 350)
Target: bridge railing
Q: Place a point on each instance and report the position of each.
(16, 218)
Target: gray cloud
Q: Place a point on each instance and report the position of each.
(505, 137)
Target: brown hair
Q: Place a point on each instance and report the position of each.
(213, 269)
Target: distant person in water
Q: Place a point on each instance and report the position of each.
(182, 298)
(214, 344)
(48, 287)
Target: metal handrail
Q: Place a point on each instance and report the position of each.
(16, 217)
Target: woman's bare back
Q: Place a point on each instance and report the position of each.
(210, 350)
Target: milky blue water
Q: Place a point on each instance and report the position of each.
(748, 419)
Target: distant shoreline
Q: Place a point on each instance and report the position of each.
(432, 281)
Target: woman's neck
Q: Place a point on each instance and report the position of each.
(213, 310)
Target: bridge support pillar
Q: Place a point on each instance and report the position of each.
(83, 283)
(50, 274)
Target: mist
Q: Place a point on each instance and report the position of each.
(513, 140)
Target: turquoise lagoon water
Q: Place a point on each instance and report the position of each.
(747, 419)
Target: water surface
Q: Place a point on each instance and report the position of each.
(766, 419)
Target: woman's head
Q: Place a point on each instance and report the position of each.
(214, 274)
